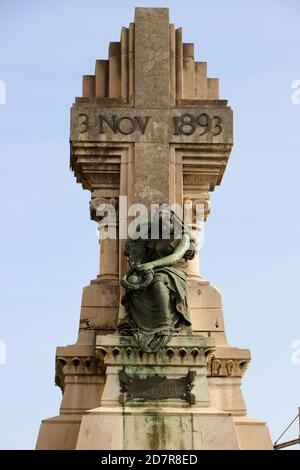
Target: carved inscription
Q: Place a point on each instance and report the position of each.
(188, 124)
(83, 123)
(125, 125)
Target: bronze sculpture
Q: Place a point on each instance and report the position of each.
(155, 300)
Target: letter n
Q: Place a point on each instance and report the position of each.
(112, 123)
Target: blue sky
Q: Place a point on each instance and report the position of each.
(49, 249)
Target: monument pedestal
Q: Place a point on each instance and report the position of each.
(156, 401)
(92, 416)
(157, 428)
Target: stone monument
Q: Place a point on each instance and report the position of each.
(152, 368)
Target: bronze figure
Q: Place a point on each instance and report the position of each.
(155, 300)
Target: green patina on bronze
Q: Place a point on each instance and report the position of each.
(157, 387)
(155, 281)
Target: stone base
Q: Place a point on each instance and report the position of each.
(165, 428)
(133, 422)
(142, 428)
(59, 433)
(252, 434)
(97, 414)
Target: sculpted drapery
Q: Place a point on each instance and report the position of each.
(155, 299)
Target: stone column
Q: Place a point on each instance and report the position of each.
(197, 211)
(105, 212)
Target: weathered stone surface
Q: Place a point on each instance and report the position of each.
(183, 355)
(59, 433)
(207, 319)
(100, 305)
(158, 432)
(203, 124)
(94, 432)
(81, 396)
(187, 350)
(215, 432)
(140, 428)
(204, 296)
(253, 434)
(226, 394)
(151, 173)
(152, 70)
(102, 294)
(99, 318)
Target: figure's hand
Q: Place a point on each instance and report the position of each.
(146, 266)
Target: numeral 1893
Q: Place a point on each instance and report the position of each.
(187, 124)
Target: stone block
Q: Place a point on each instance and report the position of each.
(203, 296)
(226, 394)
(145, 428)
(214, 432)
(160, 127)
(157, 431)
(59, 433)
(82, 392)
(101, 432)
(151, 173)
(152, 72)
(100, 305)
(100, 318)
(102, 294)
(253, 434)
(219, 337)
(207, 319)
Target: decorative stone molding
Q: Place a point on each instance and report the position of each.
(66, 365)
(201, 203)
(227, 367)
(96, 202)
(86, 324)
(113, 80)
(192, 351)
(96, 167)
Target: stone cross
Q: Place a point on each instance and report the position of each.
(150, 124)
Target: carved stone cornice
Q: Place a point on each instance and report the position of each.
(187, 351)
(96, 165)
(97, 202)
(200, 206)
(68, 365)
(228, 362)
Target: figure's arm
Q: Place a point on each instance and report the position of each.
(169, 260)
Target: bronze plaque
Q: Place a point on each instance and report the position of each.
(156, 387)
